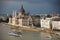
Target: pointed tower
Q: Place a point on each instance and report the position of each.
(13, 15)
(22, 11)
(54, 13)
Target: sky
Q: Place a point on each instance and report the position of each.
(32, 6)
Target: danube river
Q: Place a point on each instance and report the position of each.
(26, 35)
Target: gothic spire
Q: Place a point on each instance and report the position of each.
(22, 9)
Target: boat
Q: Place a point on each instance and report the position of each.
(48, 36)
(57, 33)
(15, 33)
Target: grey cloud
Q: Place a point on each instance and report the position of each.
(34, 1)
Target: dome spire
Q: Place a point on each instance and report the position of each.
(22, 9)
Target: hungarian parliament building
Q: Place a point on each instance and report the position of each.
(22, 19)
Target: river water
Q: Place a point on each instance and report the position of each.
(26, 35)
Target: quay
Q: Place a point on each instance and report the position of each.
(26, 35)
(28, 29)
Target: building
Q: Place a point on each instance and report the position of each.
(51, 23)
(4, 18)
(20, 18)
(56, 23)
(23, 19)
(45, 23)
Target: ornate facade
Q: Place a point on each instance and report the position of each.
(20, 18)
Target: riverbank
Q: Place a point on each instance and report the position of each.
(26, 35)
(29, 28)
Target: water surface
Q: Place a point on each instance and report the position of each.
(26, 35)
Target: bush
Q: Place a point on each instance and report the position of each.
(36, 24)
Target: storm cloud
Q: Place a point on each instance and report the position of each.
(32, 6)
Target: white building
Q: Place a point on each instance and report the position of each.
(20, 18)
(46, 23)
(56, 23)
(51, 23)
